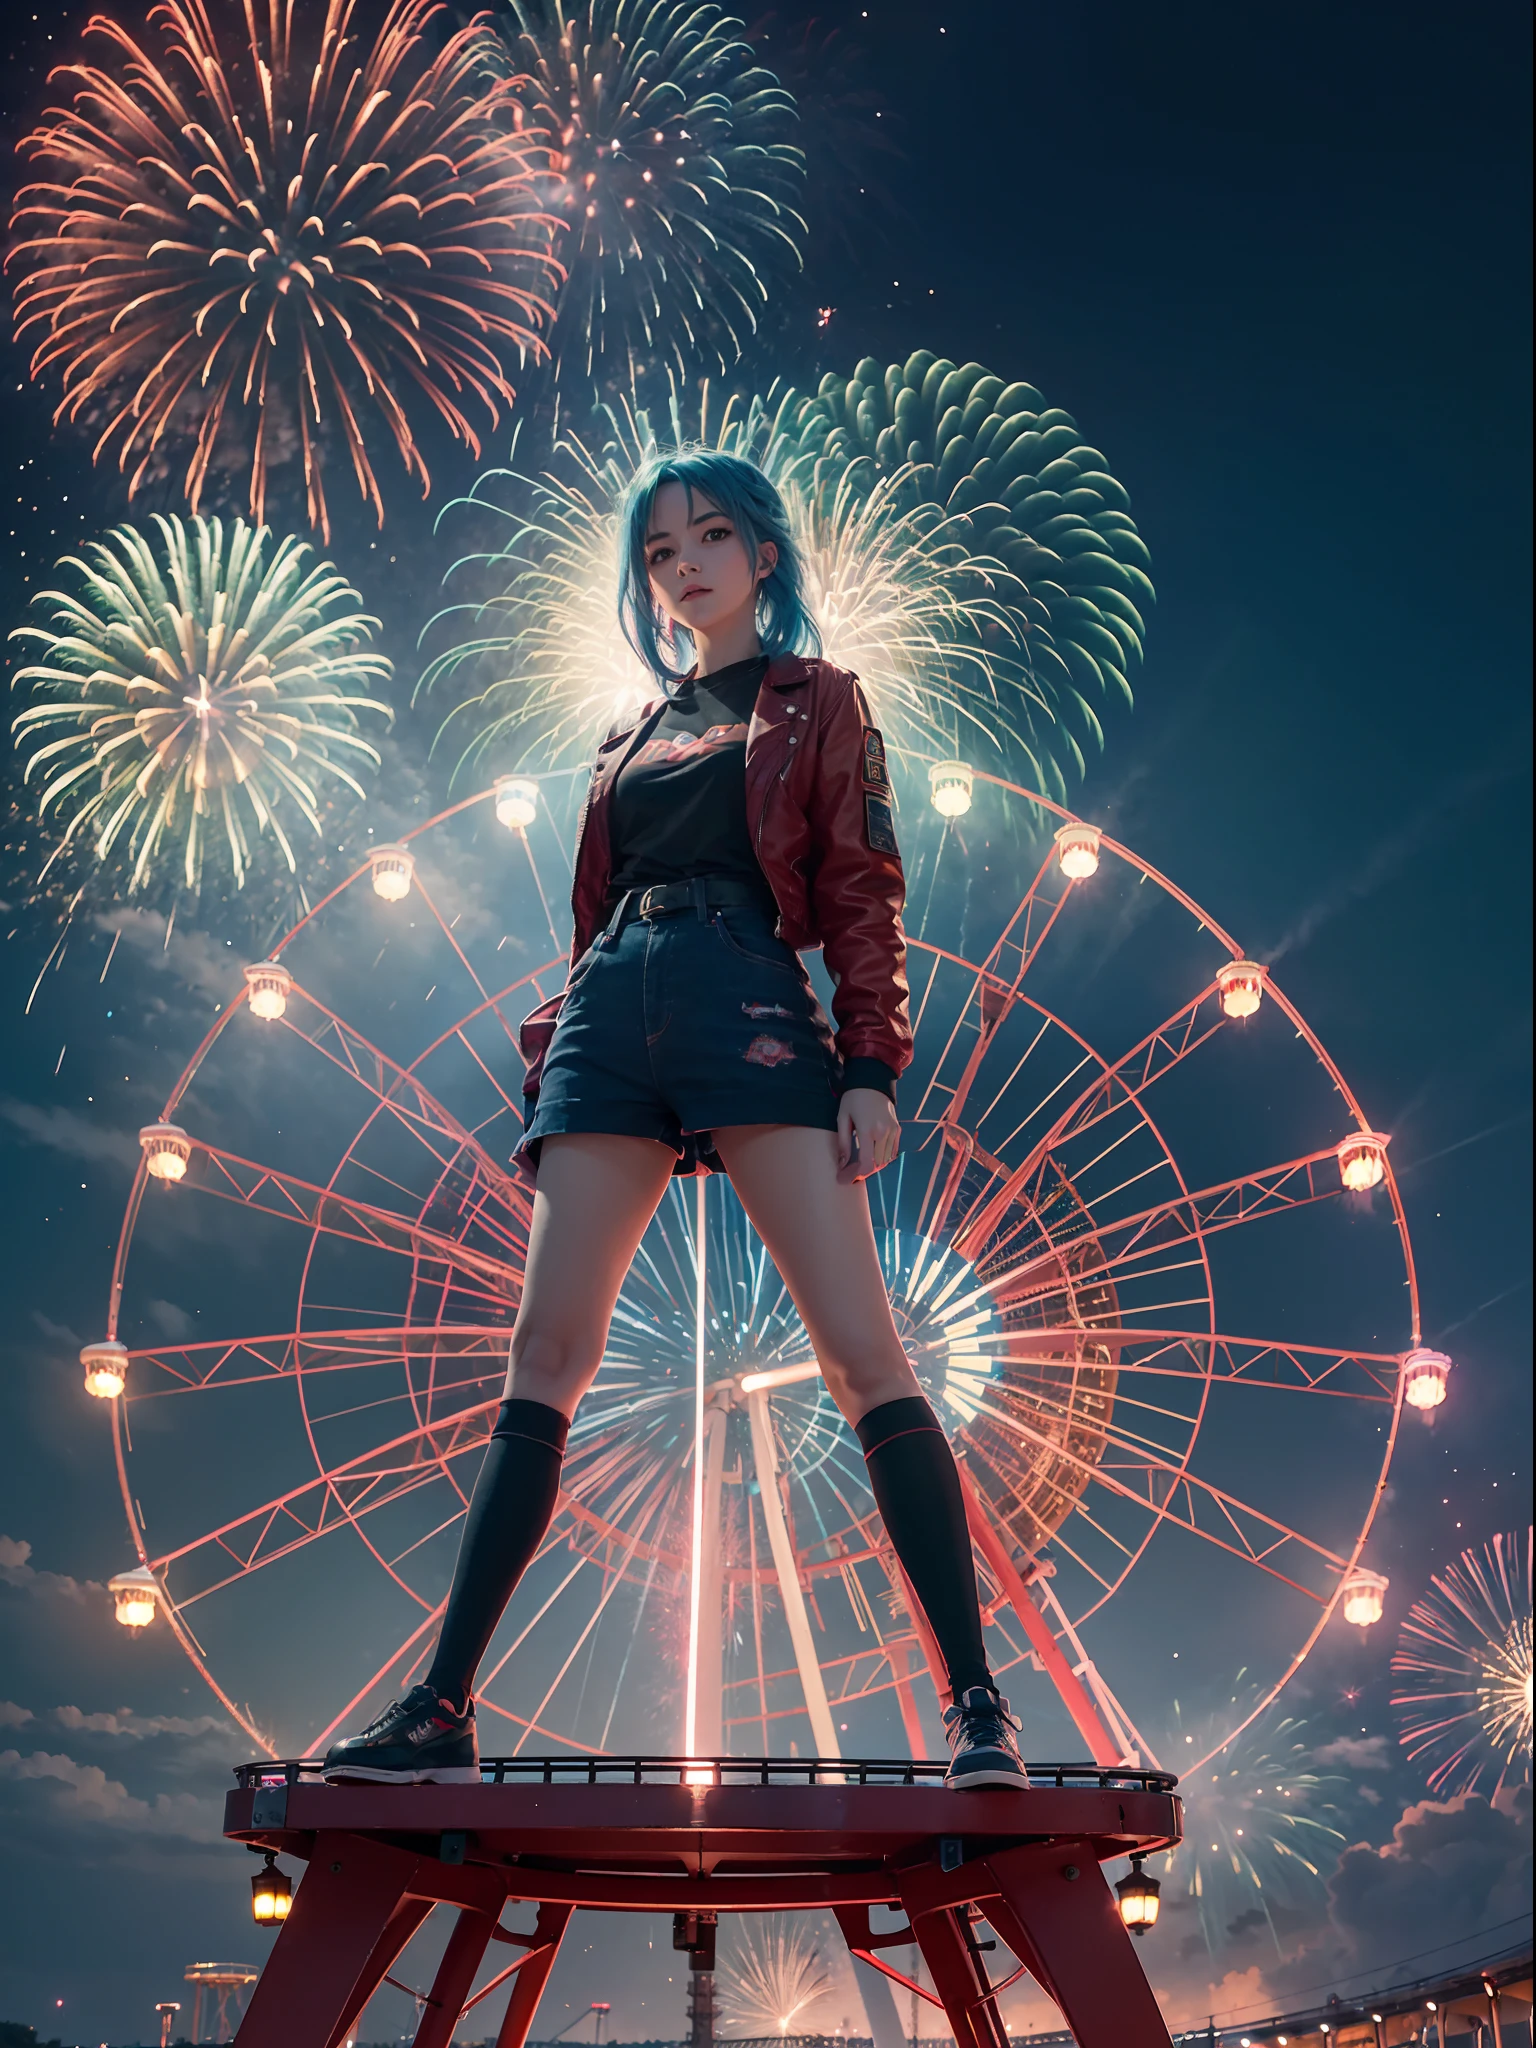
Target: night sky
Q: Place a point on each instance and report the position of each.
(1274, 262)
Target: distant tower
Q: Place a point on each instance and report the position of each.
(167, 2009)
(231, 1984)
(695, 1934)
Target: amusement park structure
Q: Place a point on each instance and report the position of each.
(225, 1987)
(1123, 1145)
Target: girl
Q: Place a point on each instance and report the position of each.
(743, 816)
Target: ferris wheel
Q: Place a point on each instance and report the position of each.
(1123, 1148)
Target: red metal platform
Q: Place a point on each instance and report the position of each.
(633, 1835)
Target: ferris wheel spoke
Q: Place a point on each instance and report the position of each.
(1171, 1493)
(1119, 1086)
(1180, 1221)
(447, 931)
(301, 1515)
(1269, 1363)
(271, 1193)
(249, 1361)
(401, 1093)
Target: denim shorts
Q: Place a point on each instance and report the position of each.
(678, 1026)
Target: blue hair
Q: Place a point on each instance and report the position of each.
(752, 504)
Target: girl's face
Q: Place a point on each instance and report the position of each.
(700, 571)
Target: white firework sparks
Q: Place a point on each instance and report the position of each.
(1463, 1660)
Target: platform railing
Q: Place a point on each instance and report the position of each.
(730, 1770)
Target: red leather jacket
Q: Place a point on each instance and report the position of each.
(818, 808)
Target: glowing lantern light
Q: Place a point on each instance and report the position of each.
(517, 802)
(1078, 846)
(393, 870)
(1363, 1160)
(166, 1149)
(1241, 983)
(106, 1369)
(1140, 1897)
(1424, 1376)
(950, 784)
(271, 1893)
(269, 984)
(135, 1595)
(1363, 1592)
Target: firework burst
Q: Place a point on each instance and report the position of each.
(1253, 1838)
(776, 1978)
(261, 242)
(935, 630)
(1463, 1662)
(679, 176)
(198, 689)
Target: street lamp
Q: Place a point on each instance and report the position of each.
(271, 1893)
(1140, 1897)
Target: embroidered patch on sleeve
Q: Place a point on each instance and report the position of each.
(876, 775)
(879, 826)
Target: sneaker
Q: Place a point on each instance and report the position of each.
(420, 1740)
(982, 1750)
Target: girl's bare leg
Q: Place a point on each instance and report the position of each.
(820, 1237)
(594, 1197)
(823, 1243)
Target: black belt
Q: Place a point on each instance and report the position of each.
(701, 894)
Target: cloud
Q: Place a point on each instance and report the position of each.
(169, 1320)
(56, 1333)
(124, 1722)
(1459, 1865)
(1240, 1991)
(77, 1137)
(15, 1570)
(1359, 1752)
(12, 1716)
(85, 1792)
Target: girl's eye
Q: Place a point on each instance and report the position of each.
(717, 533)
(659, 557)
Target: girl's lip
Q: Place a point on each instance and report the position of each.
(694, 590)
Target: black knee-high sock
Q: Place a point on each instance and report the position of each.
(509, 1511)
(917, 1490)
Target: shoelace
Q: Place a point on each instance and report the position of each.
(996, 1709)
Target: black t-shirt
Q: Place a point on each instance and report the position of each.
(680, 803)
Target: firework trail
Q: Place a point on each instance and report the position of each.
(1033, 495)
(1253, 1840)
(202, 685)
(678, 173)
(265, 242)
(776, 1978)
(935, 630)
(1463, 1660)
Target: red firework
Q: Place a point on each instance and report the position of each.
(264, 238)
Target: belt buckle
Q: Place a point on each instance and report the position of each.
(650, 902)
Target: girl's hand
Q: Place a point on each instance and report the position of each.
(868, 1134)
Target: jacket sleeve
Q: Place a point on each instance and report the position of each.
(857, 890)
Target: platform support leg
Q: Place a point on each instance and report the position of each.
(455, 1973)
(528, 1984)
(959, 1977)
(1059, 1917)
(332, 1943)
(398, 1929)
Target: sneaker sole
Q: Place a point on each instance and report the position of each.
(970, 1781)
(444, 1774)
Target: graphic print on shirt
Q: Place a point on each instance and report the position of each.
(685, 746)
